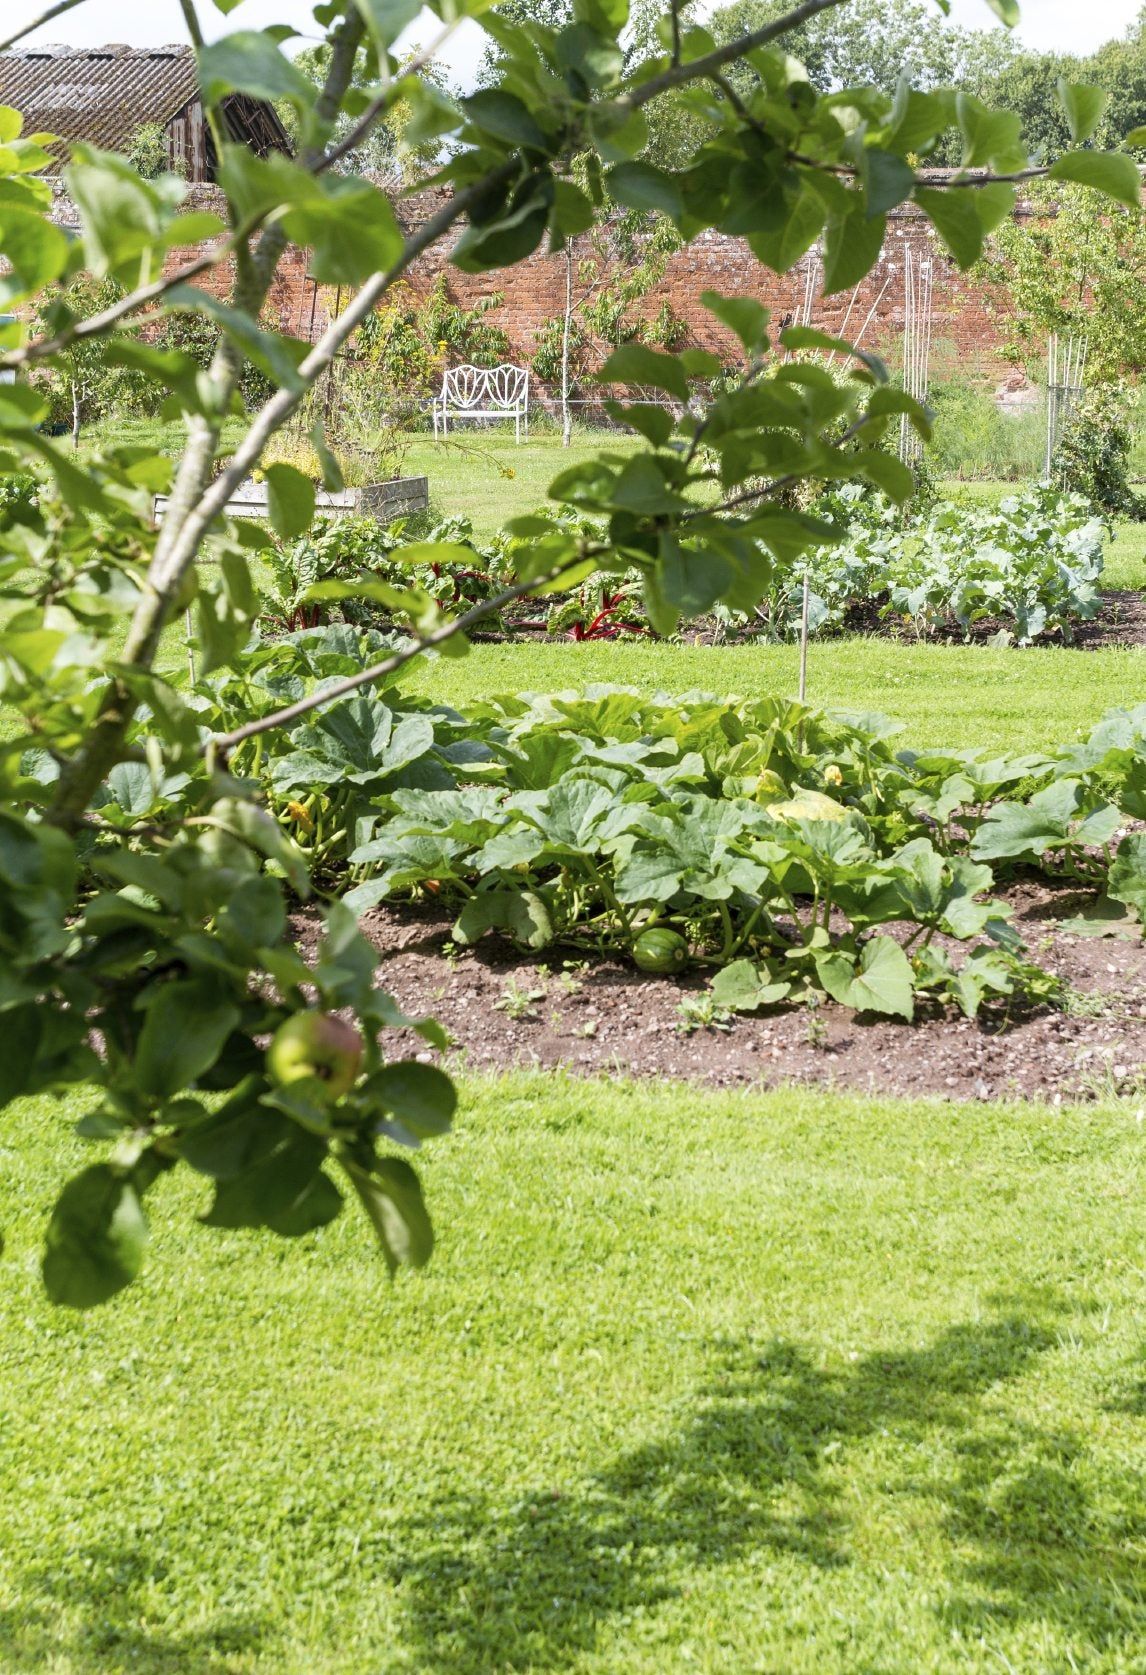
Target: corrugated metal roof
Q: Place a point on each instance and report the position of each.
(98, 94)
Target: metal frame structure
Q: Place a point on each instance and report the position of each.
(918, 315)
(1066, 384)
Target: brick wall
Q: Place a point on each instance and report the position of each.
(966, 315)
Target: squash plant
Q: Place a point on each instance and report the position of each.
(728, 832)
(143, 921)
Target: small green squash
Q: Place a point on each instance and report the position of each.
(662, 952)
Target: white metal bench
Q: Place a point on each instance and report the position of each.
(483, 392)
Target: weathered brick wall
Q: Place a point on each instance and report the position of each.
(966, 315)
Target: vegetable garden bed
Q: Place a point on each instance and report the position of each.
(1120, 620)
(1027, 572)
(790, 865)
(504, 1009)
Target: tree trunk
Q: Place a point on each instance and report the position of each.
(566, 417)
(75, 415)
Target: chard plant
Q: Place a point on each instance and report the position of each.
(145, 937)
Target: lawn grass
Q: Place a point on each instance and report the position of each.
(485, 476)
(962, 697)
(482, 475)
(466, 474)
(790, 1383)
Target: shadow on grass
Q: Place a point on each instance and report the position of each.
(100, 1589)
(1031, 1529)
(532, 1584)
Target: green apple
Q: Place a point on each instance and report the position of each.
(319, 1046)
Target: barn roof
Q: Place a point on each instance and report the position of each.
(104, 94)
(98, 94)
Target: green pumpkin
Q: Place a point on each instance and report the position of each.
(662, 952)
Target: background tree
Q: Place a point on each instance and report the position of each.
(609, 273)
(1027, 83)
(148, 151)
(395, 147)
(83, 383)
(872, 43)
(1066, 269)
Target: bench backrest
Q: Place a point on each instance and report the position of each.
(493, 388)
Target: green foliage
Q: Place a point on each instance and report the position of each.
(19, 494)
(1067, 270)
(975, 437)
(85, 384)
(867, 44)
(394, 148)
(1032, 564)
(758, 832)
(333, 550)
(196, 336)
(1029, 85)
(550, 345)
(147, 151)
(403, 347)
(602, 608)
(1093, 453)
(626, 260)
(346, 551)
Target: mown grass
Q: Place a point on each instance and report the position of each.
(479, 474)
(961, 697)
(791, 1383)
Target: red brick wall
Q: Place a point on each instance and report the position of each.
(966, 327)
(965, 314)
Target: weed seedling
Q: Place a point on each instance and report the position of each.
(815, 1029)
(518, 1003)
(1083, 1003)
(701, 1012)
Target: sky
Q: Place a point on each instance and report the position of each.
(1047, 25)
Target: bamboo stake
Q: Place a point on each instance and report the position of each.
(803, 657)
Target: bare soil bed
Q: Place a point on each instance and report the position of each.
(504, 1009)
(1121, 622)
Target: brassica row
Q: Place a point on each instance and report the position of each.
(1032, 565)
